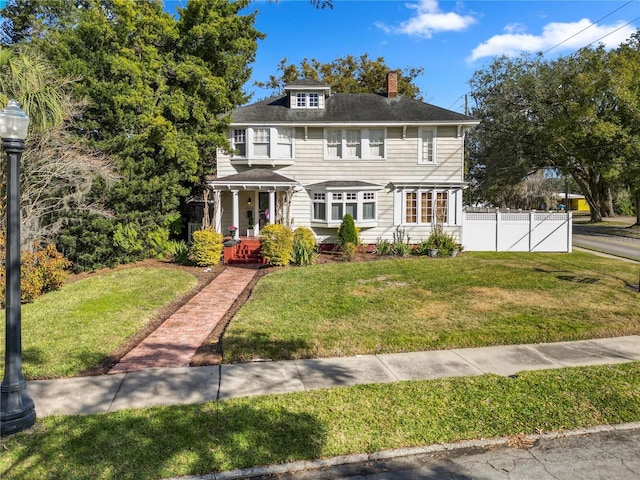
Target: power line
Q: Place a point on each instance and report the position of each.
(591, 25)
(614, 31)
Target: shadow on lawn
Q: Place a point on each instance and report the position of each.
(259, 345)
(158, 443)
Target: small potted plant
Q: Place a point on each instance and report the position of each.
(232, 230)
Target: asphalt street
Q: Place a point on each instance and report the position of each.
(598, 240)
(607, 454)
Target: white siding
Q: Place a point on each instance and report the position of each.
(399, 166)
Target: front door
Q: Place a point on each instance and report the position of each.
(263, 208)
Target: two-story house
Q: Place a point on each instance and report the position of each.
(309, 156)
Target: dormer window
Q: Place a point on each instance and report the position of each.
(307, 100)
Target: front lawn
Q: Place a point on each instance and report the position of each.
(73, 329)
(190, 440)
(402, 305)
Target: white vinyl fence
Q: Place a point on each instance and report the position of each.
(516, 231)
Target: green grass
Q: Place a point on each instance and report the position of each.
(74, 328)
(172, 441)
(402, 305)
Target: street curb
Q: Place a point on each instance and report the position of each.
(402, 452)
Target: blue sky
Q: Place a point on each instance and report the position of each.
(449, 39)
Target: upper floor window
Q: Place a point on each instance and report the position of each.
(308, 100)
(240, 142)
(376, 143)
(285, 143)
(263, 142)
(427, 140)
(351, 143)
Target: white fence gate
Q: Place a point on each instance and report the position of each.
(496, 231)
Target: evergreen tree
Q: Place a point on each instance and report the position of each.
(155, 86)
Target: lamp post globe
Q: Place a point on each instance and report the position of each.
(17, 411)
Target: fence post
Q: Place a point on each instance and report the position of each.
(498, 220)
(569, 231)
(530, 227)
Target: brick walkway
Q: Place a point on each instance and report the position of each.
(175, 342)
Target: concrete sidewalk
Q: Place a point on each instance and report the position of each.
(185, 385)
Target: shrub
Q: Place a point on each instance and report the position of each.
(444, 242)
(423, 247)
(158, 244)
(401, 243)
(206, 248)
(277, 244)
(40, 272)
(179, 251)
(349, 251)
(304, 246)
(382, 247)
(347, 232)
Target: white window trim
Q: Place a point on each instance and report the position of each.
(294, 100)
(273, 143)
(365, 150)
(434, 144)
(450, 202)
(360, 201)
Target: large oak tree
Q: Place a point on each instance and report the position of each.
(568, 114)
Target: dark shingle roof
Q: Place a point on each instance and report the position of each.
(347, 108)
(255, 175)
(343, 184)
(306, 82)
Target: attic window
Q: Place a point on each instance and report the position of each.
(308, 100)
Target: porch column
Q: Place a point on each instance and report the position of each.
(217, 210)
(236, 213)
(255, 212)
(272, 207)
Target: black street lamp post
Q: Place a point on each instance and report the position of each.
(17, 411)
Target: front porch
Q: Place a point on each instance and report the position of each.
(243, 250)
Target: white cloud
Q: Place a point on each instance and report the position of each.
(562, 36)
(427, 20)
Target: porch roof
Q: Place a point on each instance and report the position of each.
(344, 185)
(412, 184)
(257, 178)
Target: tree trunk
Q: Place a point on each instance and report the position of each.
(636, 198)
(591, 194)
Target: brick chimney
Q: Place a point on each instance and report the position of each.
(392, 84)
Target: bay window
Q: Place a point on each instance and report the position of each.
(263, 143)
(319, 206)
(240, 142)
(361, 205)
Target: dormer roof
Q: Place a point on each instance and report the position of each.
(307, 84)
